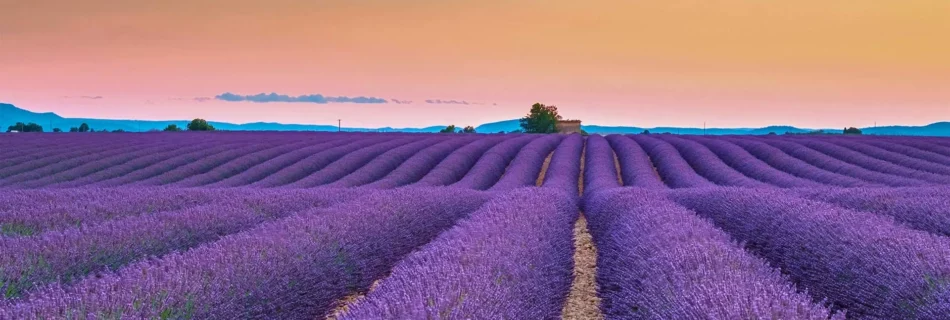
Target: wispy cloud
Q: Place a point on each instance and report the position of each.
(438, 101)
(397, 101)
(201, 99)
(84, 97)
(310, 98)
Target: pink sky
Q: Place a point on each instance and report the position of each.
(730, 63)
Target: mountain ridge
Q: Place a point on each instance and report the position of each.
(10, 114)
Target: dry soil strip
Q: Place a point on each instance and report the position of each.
(617, 166)
(580, 177)
(544, 169)
(344, 304)
(582, 301)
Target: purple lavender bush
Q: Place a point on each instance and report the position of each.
(293, 268)
(671, 166)
(511, 259)
(657, 260)
(862, 262)
(636, 168)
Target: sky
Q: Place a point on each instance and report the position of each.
(413, 63)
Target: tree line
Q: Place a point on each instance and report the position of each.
(194, 125)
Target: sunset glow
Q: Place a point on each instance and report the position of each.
(730, 63)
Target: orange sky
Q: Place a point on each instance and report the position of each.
(731, 63)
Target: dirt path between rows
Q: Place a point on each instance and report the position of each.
(582, 301)
(544, 169)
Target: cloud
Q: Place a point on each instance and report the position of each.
(437, 101)
(310, 98)
(201, 99)
(396, 101)
(84, 97)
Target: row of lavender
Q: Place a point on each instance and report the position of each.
(76, 233)
(741, 253)
(306, 160)
(269, 260)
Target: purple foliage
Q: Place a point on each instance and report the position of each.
(511, 259)
(118, 176)
(421, 163)
(863, 262)
(600, 170)
(780, 160)
(202, 165)
(492, 164)
(831, 164)
(457, 164)
(73, 253)
(867, 162)
(895, 158)
(635, 166)
(238, 165)
(918, 208)
(709, 165)
(386, 163)
(749, 165)
(657, 260)
(913, 148)
(314, 163)
(293, 268)
(673, 169)
(84, 169)
(523, 171)
(349, 163)
(266, 168)
(60, 163)
(132, 165)
(28, 212)
(565, 167)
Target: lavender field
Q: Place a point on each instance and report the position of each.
(268, 225)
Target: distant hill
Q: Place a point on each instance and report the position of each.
(10, 114)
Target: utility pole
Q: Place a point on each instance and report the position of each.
(704, 128)
(339, 126)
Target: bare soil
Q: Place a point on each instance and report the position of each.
(344, 304)
(544, 169)
(582, 301)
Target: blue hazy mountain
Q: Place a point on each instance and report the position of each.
(10, 114)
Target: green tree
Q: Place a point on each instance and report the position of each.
(84, 127)
(450, 129)
(73, 129)
(57, 130)
(172, 128)
(541, 119)
(852, 130)
(118, 130)
(25, 127)
(200, 125)
(645, 131)
(468, 129)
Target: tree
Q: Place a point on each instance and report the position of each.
(73, 129)
(172, 128)
(200, 125)
(57, 130)
(772, 133)
(25, 127)
(541, 119)
(645, 131)
(84, 127)
(450, 129)
(118, 130)
(852, 130)
(468, 129)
